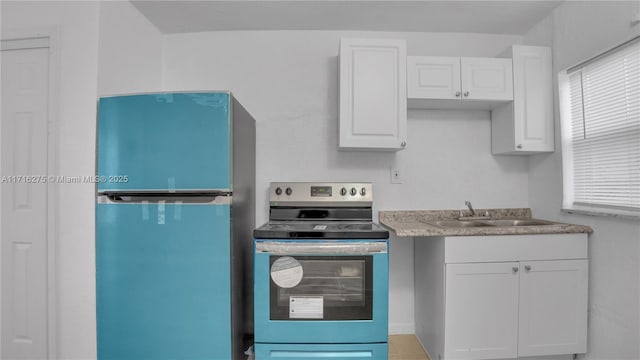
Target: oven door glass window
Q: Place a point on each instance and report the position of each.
(328, 288)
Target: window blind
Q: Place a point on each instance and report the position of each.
(604, 97)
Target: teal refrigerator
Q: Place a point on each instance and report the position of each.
(175, 190)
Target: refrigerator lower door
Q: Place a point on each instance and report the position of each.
(163, 281)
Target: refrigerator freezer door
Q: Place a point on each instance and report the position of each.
(164, 142)
(163, 283)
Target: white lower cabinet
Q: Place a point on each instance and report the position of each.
(501, 297)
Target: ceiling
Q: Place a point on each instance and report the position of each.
(492, 17)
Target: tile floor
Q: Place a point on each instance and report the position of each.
(405, 347)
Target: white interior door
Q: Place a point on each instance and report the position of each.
(23, 163)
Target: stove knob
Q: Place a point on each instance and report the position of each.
(353, 191)
(363, 192)
(288, 191)
(343, 191)
(278, 191)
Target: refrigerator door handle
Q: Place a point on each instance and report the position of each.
(212, 198)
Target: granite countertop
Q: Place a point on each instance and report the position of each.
(421, 223)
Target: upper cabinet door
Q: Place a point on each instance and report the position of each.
(433, 77)
(525, 126)
(487, 79)
(533, 105)
(373, 94)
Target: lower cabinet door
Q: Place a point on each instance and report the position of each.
(481, 310)
(553, 307)
(322, 351)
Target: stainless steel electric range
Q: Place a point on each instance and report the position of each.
(321, 274)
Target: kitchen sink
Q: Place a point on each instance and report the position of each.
(518, 222)
(485, 223)
(458, 223)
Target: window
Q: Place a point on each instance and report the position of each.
(600, 113)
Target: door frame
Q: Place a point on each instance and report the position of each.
(52, 34)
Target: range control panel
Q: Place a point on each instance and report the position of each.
(296, 193)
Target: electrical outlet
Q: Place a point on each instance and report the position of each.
(396, 178)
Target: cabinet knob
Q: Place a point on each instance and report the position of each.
(519, 146)
(403, 144)
(457, 93)
(527, 268)
(514, 269)
(466, 93)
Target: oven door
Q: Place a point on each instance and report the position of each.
(321, 292)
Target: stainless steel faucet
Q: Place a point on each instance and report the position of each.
(468, 203)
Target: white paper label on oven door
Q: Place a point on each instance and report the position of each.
(306, 307)
(286, 272)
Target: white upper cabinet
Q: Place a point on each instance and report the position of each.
(378, 81)
(373, 94)
(525, 126)
(481, 83)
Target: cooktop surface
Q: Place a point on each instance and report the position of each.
(320, 229)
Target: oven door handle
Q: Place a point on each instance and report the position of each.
(296, 248)
(360, 354)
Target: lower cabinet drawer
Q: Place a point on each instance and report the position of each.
(322, 351)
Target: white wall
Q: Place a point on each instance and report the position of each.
(74, 128)
(289, 82)
(130, 51)
(577, 31)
